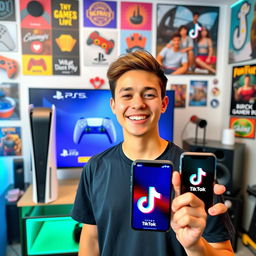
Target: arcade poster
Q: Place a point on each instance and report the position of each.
(243, 91)
(198, 27)
(50, 37)
(9, 101)
(100, 14)
(136, 27)
(242, 42)
(10, 141)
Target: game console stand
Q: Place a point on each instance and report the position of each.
(43, 148)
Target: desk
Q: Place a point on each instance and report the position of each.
(48, 228)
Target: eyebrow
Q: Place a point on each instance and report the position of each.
(127, 89)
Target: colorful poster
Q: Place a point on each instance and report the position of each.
(9, 101)
(136, 16)
(65, 41)
(244, 127)
(132, 41)
(243, 94)
(242, 43)
(101, 14)
(10, 141)
(187, 38)
(100, 47)
(7, 10)
(50, 37)
(180, 95)
(198, 93)
(8, 37)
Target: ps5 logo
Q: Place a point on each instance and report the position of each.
(197, 178)
(69, 95)
(152, 194)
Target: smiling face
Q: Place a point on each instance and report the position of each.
(138, 103)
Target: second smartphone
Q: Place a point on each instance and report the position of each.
(198, 174)
(151, 183)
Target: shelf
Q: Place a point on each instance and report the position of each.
(52, 235)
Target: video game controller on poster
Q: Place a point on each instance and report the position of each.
(5, 38)
(9, 65)
(33, 62)
(94, 126)
(96, 39)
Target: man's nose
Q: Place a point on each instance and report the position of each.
(138, 102)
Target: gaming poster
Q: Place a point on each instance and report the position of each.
(243, 91)
(180, 95)
(242, 42)
(100, 34)
(243, 127)
(136, 26)
(195, 52)
(9, 101)
(100, 14)
(10, 141)
(100, 47)
(7, 10)
(50, 37)
(198, 93)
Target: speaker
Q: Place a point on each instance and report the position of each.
(229, 162)
(18, 174)
(235, 206)
(43, 145)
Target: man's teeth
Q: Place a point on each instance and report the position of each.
(137, 117)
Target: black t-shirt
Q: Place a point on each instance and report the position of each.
(103, 198)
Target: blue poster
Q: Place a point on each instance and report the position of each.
(242, 43)
(99, 14)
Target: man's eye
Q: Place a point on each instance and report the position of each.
(126, 96)
(149, 95)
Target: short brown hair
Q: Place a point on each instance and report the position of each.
(137, 60)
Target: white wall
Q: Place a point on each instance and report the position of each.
(217, 118)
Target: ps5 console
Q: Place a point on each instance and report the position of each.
(44, 170)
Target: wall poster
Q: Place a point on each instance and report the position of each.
(197, 47)
(243, 94)
(242, 42)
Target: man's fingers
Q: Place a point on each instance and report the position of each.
(217, 209)
(219, 189)
(176, 182)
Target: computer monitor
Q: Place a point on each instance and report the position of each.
(85, 124)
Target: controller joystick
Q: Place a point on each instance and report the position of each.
(9, 65)
(33, 62)
(136, 18)
(94, 126)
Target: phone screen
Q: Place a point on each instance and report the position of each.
(151, 195)
(198, 175)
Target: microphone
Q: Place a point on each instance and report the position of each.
(198, 121)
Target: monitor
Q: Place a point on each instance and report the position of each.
(85, 124)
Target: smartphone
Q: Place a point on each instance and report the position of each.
(198, 173)
(151, 182)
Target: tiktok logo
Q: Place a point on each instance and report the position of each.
(152, 194)
(193, 33)
(197, 178)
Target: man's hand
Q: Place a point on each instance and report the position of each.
(189, 216)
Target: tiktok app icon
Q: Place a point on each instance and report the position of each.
(146, 204)
(197, 178)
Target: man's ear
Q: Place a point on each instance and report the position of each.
(165, 103)
(112, 105)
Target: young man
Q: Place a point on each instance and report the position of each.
(173, 60)
(138, 86)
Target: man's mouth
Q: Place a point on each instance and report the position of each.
(137, 118)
